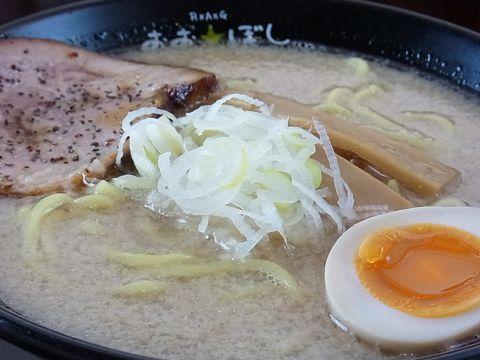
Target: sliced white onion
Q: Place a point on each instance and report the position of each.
(244, 166)
(135, 114)
(150, 137)
(215, 107)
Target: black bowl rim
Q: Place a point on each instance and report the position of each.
(46, 341)
(82, 4)
(455, 33)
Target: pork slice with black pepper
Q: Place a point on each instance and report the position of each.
(61, 110)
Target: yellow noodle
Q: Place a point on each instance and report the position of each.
(435, 119)
(174, 265)
(339, 95)
(24, 212)
(392, 129)
(34, 217)
(32, 226)
(366, 115)
(147, 260)
(274, 272)
(140, 288)
(366, 92)
(359, 65)
(333, 108)
(341, 101)
(405, 136)
(95, 202)
(135, 182)
(106, 189)
(241, 83)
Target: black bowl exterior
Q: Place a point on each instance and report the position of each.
(425, 43)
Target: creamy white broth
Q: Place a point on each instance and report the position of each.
(215, 317)
(206, 317)
(307, 76)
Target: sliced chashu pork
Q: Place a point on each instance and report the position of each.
(61, 110)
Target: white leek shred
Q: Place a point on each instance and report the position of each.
(345, 195)
(226, 162)
(149, 138)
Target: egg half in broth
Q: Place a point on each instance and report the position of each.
(409, 279)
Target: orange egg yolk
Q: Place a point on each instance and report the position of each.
(423, 269)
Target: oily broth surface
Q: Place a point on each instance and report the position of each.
(307, 76)
(205, 318)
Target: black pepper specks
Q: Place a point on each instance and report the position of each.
(56, 114)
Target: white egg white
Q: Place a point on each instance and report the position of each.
(372, 320)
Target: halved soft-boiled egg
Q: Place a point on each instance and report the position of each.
(408, 279)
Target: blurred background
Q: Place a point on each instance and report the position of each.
(462, 12)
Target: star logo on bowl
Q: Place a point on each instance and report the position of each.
(211, 36)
